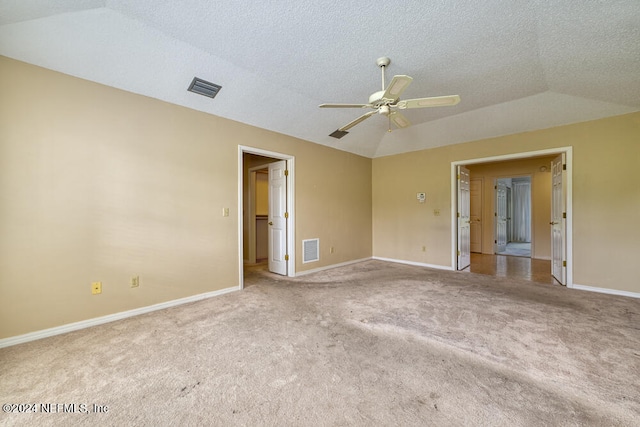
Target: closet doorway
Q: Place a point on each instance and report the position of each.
(266, 203)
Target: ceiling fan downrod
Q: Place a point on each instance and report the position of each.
(382, 63)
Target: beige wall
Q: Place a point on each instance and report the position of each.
(606, 198)
(540, 200)
(98, 184)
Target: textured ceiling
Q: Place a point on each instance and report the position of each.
(518, 65)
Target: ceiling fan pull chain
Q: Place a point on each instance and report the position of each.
(383, 67)
(389, 117)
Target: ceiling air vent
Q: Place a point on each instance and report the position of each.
(204, 87)
(338, 134)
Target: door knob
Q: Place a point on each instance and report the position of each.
(553, 223)
(270, 222)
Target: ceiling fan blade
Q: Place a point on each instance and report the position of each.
(399, 120)
(358, 120)
(397, 86)
(435, 101)
(345, 105)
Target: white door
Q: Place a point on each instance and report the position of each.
(464, 235)
(278, 218)
(558, 219)
(476, 215)
(509, 215)
(501, 217)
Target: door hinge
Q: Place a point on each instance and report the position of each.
(286, 214)
(564, 214)
(458, 214)
(458, 253)
(495, 241)
(564, 167)
(495, 187)
(286, 172)
(564, 263)
(286, 257)
(458, 176)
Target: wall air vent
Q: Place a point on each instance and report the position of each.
(310, 250)
(203, 87)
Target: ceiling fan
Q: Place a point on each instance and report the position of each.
(387, 102)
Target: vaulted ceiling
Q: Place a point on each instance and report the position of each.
(518, 65)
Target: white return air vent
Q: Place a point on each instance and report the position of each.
(310, 250)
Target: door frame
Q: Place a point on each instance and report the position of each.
(291, 266)
(568, 151)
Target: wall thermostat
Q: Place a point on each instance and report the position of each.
(421, 197)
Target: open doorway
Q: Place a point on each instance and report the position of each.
(512, 225)
(265, 212)
(538, 167)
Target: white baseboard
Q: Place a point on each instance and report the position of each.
(419, 264)
(329, 267)
(606, 291)
(45, 333)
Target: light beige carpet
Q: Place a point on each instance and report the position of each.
(373, 343)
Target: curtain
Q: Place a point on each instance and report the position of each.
(521, 193)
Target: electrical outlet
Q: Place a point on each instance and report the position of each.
(96, 288)
(225, 211)
(436, 212)
(331, 250)
(424, 249)
(135, 281)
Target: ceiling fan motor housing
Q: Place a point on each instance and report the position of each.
(377, 99)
